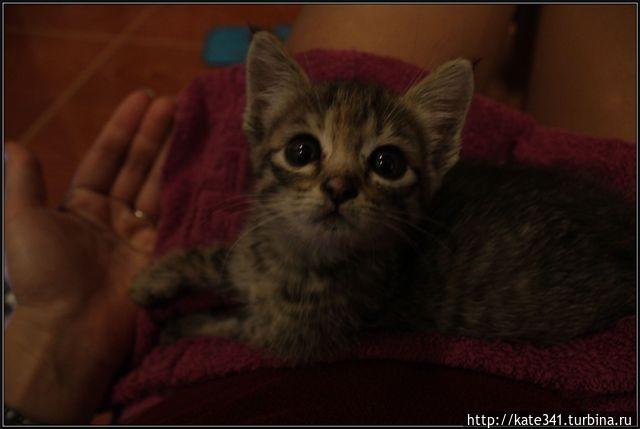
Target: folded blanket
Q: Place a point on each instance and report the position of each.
(208, 165)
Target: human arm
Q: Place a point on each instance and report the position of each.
(70, 269)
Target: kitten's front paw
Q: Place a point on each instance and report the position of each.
(156, 285)
(191, 325)
(170, 333)
(200, 325)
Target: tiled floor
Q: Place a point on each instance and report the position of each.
(67, 67)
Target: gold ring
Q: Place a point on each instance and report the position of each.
(143, 216)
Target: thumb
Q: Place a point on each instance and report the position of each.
(24, 186)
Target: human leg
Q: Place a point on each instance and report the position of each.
(584, 70)
(425, 35)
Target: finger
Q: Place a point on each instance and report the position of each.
(24, 185)
(149, 197)
(100, 166)
(144, 150)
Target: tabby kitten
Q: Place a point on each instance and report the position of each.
(364, 219)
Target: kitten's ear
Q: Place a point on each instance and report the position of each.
(273, 77)
(441, 101)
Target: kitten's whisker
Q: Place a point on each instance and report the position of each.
(244, 234)
(238, 204)
(429, 219)
(395, 218)
(397, 215)
(374, 215)
(237, 199)
(259, 222)
(395, 228)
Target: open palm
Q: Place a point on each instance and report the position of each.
(72, 267)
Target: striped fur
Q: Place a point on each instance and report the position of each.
(464, 250)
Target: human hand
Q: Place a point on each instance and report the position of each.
(70, 269)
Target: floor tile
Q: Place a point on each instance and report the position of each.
(49, 46)
(193, 22)
(88, 18)
(37, 69)
(74, 127)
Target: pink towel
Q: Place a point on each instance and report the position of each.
(208, 164)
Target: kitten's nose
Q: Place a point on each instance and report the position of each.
(339, 189)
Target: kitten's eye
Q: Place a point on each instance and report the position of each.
(388, 162)
(302, 149)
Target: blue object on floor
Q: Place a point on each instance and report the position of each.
(229, 45)
(283, 32)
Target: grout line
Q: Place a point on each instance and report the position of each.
(85, 75)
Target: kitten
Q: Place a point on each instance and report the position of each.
(365, 219)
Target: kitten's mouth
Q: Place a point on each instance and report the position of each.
(332, 218)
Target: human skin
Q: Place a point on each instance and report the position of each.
(583, 76)
(584, 70)
(70, 269)
(424, 35)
